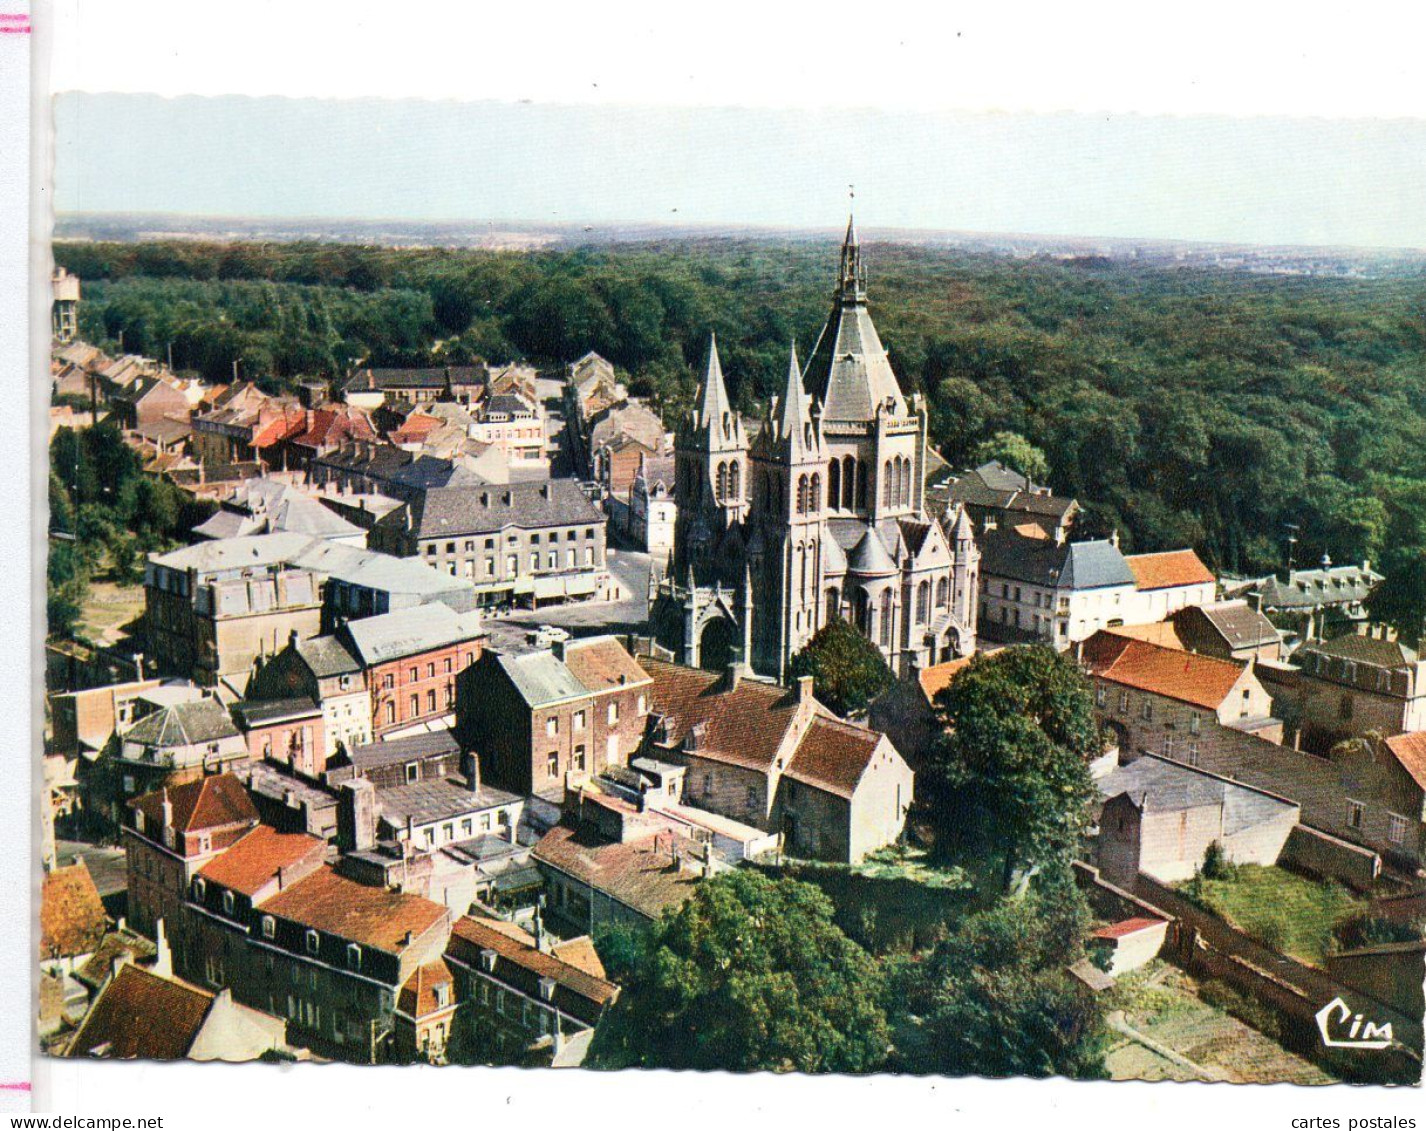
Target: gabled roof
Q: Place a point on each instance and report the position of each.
(327, 656)
(408, 632)
(418, 995)
(1238, 624)
(183, 724)
(1167, 570)
(1060, 565)
(256, 859)
(440, 512)
(833, 755)
(539, 677)
(140, 1015)
(1159, 785)
(328, 902)
(1410, 751)
(937, 678)
(1190, 677)
(601, 663)
(524, 966)
(639, 874)
(208, 803)
(72, 916)
(411, 748)
(1312, 588)
(746, 725)
(1363, 649)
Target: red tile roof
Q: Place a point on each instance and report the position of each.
(639, 874)
(580, 953)
(937, 678)
(139, 1015)
(1167, 570)
(212, 802)
(833, 755)
(1189, 677)
(248, 865)
(1126, 927)
(602, 664)
(418, 995)
(1410, 751)
(374, 917)
(745, 726)
(470, 936)
(72, 916)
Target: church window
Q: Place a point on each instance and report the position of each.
(886, 484)
(942, 593)
(802, 494)
(834, 484)
(735, 482)
(861, 483)
(849, 479)
(814, 497)
(722, 489)
(923, 602)
(886, 618)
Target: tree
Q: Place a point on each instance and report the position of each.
(1016, 453)
(995, 998)
(847, 670)
(749, 974)
(1009, 772)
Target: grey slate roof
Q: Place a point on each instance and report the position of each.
(1039, 561)
(1239, 624)
(327, 656)
(442, 512)
(541, 678)
(869, 557)
(395, 751)
(183, 724)
(1365, 650)
(1313, 588)
(251, 714)
(430, 378)
(1159, 785)
(375, 640)
(434, 800)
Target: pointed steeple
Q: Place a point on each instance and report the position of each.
(851, 278)
(713, 404)
(796, 408)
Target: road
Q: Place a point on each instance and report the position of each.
(589, 618)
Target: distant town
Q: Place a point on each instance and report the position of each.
(488, 712)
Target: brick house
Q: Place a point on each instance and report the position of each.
(522, 1003)
(322, 670)
(778, 760)
(169, 835)
(411, 659)
(288, 731)
(540, 717)
(172, 745)
(425, 1014)
(1173, 702)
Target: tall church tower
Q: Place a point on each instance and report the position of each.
(711, 475)
(789, 467)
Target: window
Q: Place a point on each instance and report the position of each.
(269, 927)
(200, 889)
(391, 710)
(1195, 723)
(579, 757)
(1101, 694)
(1146, 711)
(431, 700)
(415, 675)
(1168, 745)
(353, 956)
(413, 771)
(431, 670)
(386, 681)
(1396, 830)
(228, 902)
(1355, 812)
(311, 941)
(552, 763)
(448, 665)
(1193, 754)
(579, 720)
(465, 827)
(613, 712)
(415, 705)
(535, 561)
(552, 726)
(448, 832)
(443, 995)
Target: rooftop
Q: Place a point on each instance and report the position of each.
(72, 916)
(212, 802)
(140, 1015)
(374, 917)
(395, 751)
(601, 662)
(259, 857)
(407, 632)
(1159, 785)
(1203, 681)
(575, 989)
(1168, 570)
(640, 874)
(1239, 624)
(1410, 751)
(425, 801)
(438, 512)
(183, 724)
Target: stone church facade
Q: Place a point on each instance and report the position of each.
(820, 514)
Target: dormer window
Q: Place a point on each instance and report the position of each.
(353, 957)
(228, 903)
(443, 995)
(312, 941)
(200, 888)
(547, 989)
(269, 927)
(487, 960)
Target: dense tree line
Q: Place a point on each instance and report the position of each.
(1207, 408)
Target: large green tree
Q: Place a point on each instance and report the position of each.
(847, 669)
(1007, 778)
(1016, 453)
(750, 974)
(995, 998)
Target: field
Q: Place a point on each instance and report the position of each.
(1288, 912)
(1165, 1031)
(108, 609)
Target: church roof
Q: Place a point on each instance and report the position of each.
(870, 558)
(715, 414)
(848, 371)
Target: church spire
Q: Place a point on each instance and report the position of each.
(795, 410)
(851, 281)
(715, 419)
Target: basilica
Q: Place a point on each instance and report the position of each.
(819, 514)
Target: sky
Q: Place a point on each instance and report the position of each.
(1244, 123)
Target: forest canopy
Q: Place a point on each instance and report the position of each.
(1197, 407)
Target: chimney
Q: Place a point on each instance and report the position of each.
(163, 954)
(733, 673)
(1114, 538)
(166, 825)
(356, 815)
(804, 688)
(472, 771)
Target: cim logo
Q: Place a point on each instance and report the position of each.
(1351, 1029)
